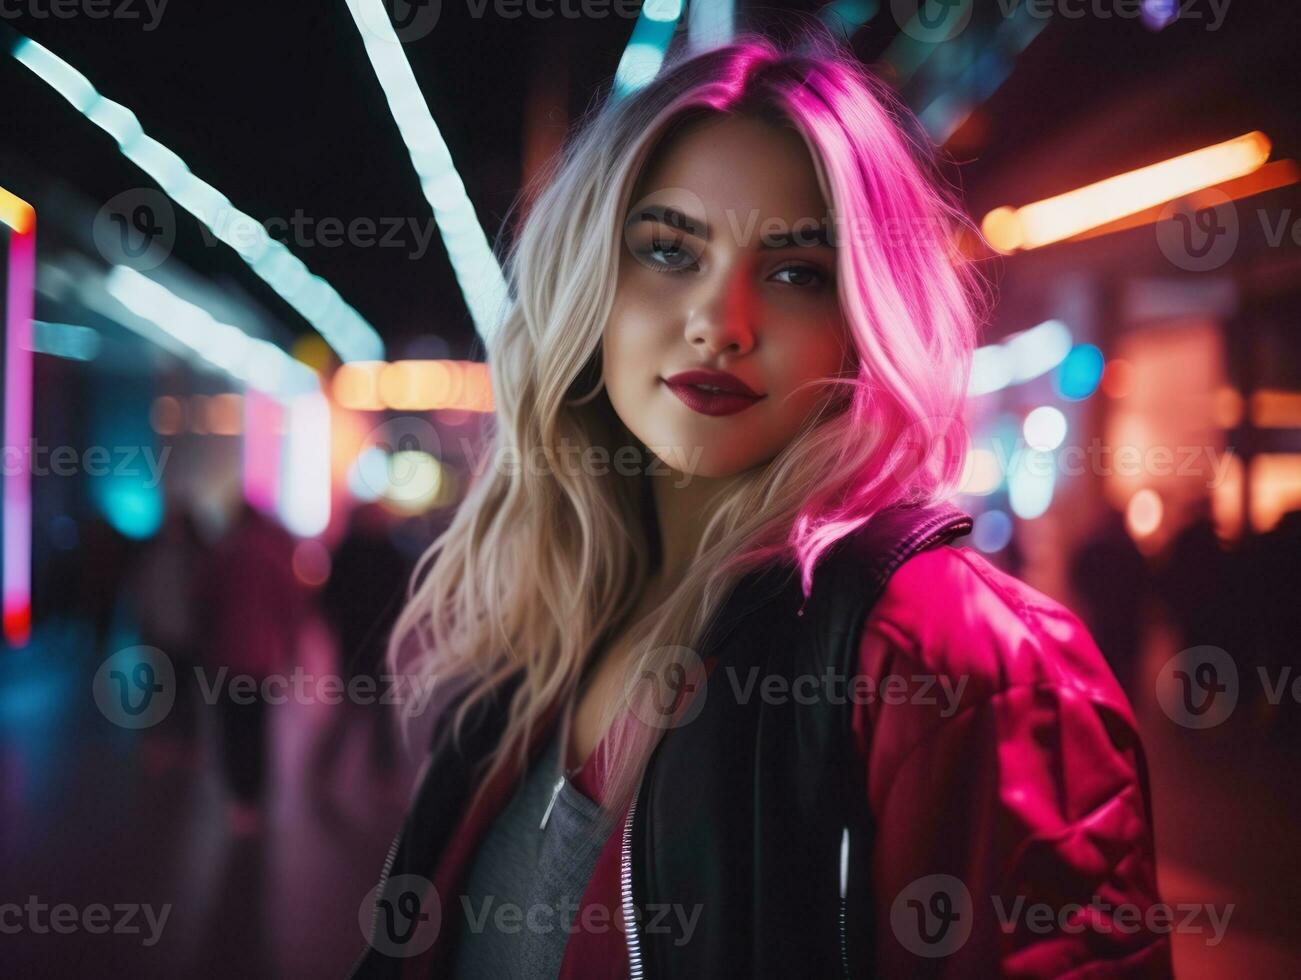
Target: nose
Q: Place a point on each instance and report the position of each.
(722, 318)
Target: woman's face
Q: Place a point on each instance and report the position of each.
(725, 267)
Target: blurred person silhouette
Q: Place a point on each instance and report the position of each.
(361, 600)
(1115, 586)
(105, 554)
(1196, 581)
(1269, 587)
(161, 588)
(253, 607)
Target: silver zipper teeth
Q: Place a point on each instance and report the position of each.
(555, 792)
(635, 970)
(926, 542)
(374, 911)
(844, 902)
(383, 879)
(625, 873)
(625, 886)
(944, 532)
(844, 940)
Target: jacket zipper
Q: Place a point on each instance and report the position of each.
(374, 912)
(844, 942)
(946, 531)
(629, 915)
(844, 903)
(555, 792)
(625, 887)
(942, 532)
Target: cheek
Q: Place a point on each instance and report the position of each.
(616, 345)
(627, 359)
(808, 355)
(634, 333)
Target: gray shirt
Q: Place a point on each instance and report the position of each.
(525, 881)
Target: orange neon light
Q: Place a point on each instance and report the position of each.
(1053, 219)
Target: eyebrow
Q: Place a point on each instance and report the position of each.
(801, 236)
(671, 217)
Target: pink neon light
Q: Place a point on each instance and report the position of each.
(17, 569)
(263, 422)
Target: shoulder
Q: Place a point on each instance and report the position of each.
(948, 612)
(1013, 766)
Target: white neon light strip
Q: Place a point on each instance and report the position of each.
(1023, 356)
(250, 360)
(343, 328)
(710, 23)
(649, 42)
(304, 499)
(477, 271)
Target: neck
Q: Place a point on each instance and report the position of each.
(683, 505)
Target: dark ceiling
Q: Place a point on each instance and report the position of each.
(278, 108)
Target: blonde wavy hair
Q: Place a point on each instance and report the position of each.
(541, 566)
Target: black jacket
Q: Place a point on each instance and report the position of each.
(767, 790)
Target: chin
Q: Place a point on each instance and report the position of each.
(706, 462)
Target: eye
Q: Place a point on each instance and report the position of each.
(800, 275)
(665, 254)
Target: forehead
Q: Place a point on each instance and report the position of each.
(734, 168)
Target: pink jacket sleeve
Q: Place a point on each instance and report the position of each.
(1007, 785)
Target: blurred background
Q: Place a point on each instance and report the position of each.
(245, 254)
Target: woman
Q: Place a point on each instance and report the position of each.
(720, 698)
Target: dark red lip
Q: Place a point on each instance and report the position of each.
(718, 379)
(734, 396)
